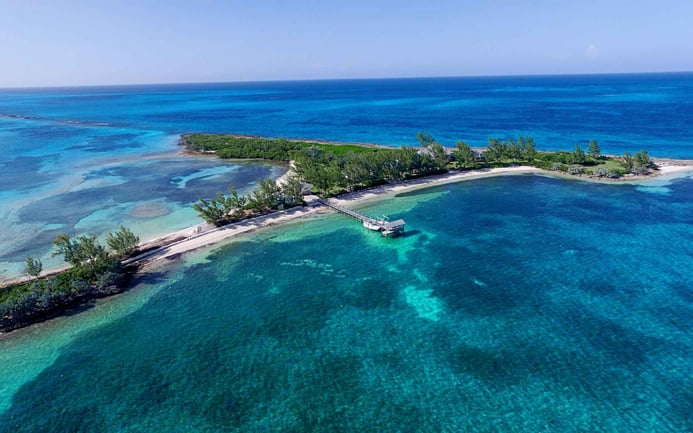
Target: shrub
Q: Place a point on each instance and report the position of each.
(123, 242)
(575, 170)
(557, 166)
(640, 170)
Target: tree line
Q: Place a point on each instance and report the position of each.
(333, 169)
(330, 173)
(329, 169)
(578, 162)
(96, 271)
(266, 197)
(229, 146)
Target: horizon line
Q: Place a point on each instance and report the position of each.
(423, 77)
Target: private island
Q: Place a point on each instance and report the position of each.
(321, 175)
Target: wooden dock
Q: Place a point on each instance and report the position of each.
(387, 228)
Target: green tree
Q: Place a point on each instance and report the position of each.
(439, 156)
(68, 248)
(235, 204)
(265, 195)
(291, 190)
(641, 162)
(222, 209)
(355, 171)
(464, 155)
(425, 139)
(516, 148)
(642, 158)
(627, 162)
(90, 252)
(497, 150)
(594, 150)
(210, 210)
(84, 252)
(123, 242)
(33, 266)
(530, 149)
(578, 156)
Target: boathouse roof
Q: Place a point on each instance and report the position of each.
(393, 224)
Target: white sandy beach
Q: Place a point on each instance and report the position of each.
(205, 235)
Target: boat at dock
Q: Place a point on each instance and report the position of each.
(371, 225)
(383, 225)
(393, 228)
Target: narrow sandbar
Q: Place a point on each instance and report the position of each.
(205, 235)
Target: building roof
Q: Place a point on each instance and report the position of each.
(393, 224)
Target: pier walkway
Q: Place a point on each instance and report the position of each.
(385, 227)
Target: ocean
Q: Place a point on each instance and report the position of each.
(516, 303)
(77, 160)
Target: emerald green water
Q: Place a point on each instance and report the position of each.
(513, 304)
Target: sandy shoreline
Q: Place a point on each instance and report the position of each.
(173, 245)
(203, 235)
(194, 238)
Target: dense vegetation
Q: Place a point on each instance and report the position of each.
(267, 197)
(332, 169)
(592, 163)
(275, 149)
(330, 173)
(96, 272)
(329, 168)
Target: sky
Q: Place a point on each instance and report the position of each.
(62, 43)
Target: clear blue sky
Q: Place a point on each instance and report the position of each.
(60, 42)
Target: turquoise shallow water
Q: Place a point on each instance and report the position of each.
(514, 304)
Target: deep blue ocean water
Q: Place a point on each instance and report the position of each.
(518, 303)
(622, 112)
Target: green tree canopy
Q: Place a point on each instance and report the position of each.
(641, 162)
(33, 266)
(578, 156)
(68, 248)
(627, 162)
(594, 150)
(123, 242)
(464, 155)
(265, 195)
(84, 252)
(210, 210)
(530, 149)
(291, 190)
(497, 150)
(439, 156)
(425, 138)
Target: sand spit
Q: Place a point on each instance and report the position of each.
(163, 249)
(205, 235)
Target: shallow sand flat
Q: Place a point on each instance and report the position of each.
(674, 168)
